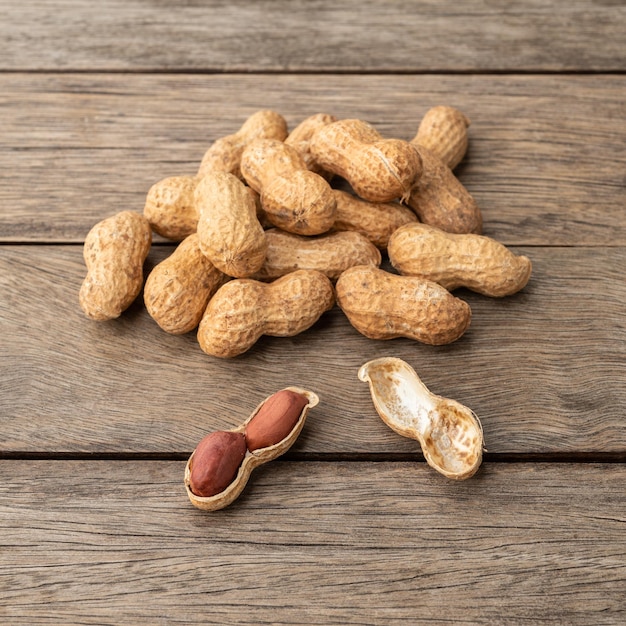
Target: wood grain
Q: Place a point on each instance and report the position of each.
(325, 35)
(543, 369)
(315, 543)
(77, 148)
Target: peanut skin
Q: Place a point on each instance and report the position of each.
(381, 305)
(114, 251)
(293, 198)
(479, 263)
(443, 131)
(379, 170)
(178, 289)
(330, 253)
(374, 220)
(439, 199)
(229, 233)
(225, 154)
(216, 461)
(275, 419)
(243, 310)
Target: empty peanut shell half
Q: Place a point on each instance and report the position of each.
(450, 434)
(290, 398)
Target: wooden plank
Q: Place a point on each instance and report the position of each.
(543, 369)
(313, 36)
(317, 543)
(76, 148)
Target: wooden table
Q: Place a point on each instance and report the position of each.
(100, 100)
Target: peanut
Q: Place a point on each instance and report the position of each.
(300, 139)
(221, 466)
(114, 252)
(443, 131)
(225, 154)
(330, 253)
(170, 207)
(479, 263)
(439, 199)
(379, 170)
(449, 433)
(243, 310)
(375, 220)
(275, 419)
(293, 198)
(216, 461)
(178, 289)
(229, 233)
(381, 305)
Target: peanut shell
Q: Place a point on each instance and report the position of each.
(477, 262)
(251, 459)
(443, 131)
(330, 254)
(381, 305)
(449, 433)
(374, 220)
(170, 207)
(439, 199)
(224, 155)
(300, 139)
(379, 170)
(178, 289)
(293, 198)
(114, 252)
(243, 310)
(229, 232)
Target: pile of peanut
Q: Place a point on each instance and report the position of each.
(267, 245)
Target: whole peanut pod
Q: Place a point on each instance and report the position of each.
(114, 252)
(479, 263)
(178, 289)
(443, 131)
(381, 305)
(375, 220)
(300, 139)
(243, 310)
(219, 468)
(225, 154)
(293, 198)
(170, 208)
(379, 170)
(439, 199)
(330, 253)
(229, 233)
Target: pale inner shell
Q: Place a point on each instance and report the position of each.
(449, 433)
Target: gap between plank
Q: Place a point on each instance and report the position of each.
(357, 457)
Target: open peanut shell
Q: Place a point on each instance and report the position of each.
(449, 433)
(251, 460)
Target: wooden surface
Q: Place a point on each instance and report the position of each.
(100, 100)
(388, 543)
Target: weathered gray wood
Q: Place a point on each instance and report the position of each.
(543, 369)
(325, 35)
(313, 543)
(546, 160)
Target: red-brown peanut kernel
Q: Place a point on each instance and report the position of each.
(275, 419)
